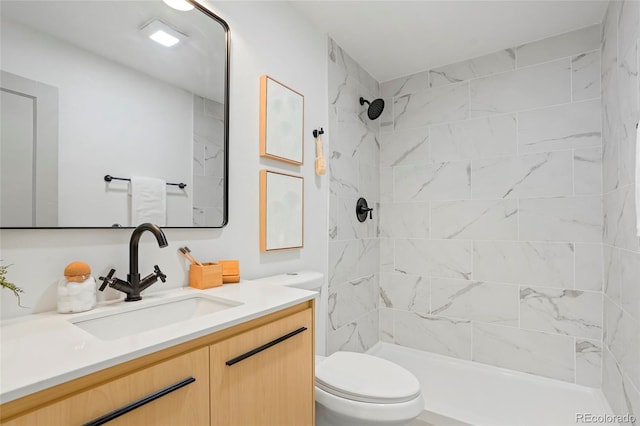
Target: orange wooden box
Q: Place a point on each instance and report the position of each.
(206, 275)
(230, 271)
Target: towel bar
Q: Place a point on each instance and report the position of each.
(109, 178)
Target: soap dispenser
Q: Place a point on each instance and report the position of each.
(77, 289)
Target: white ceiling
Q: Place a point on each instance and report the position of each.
(392, 39)
(111, 29)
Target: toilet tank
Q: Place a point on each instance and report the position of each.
(307, 280)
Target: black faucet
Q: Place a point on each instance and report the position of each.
(134, 285)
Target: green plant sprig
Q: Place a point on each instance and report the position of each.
(6, 284)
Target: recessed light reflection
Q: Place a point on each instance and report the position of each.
(181, 5)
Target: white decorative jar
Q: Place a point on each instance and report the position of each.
(77, 290)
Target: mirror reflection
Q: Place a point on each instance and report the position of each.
(132, 89)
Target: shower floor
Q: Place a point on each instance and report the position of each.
(479, 394)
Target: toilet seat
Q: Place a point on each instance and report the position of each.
(366, 378)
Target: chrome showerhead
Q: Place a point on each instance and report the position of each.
(375, 107)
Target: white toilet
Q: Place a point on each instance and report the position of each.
(354, 389)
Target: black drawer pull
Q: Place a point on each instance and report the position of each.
(265, 346)
(139, 403)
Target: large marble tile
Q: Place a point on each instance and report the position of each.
(358, 336)
(612, 286)
(437, 105)
(369, 181)
(555, 128)
(629, 273)
(387, 254)
(589, 266)
(620, 219)
(352, 300)
(585, 76)
(528, 263)
(475, 219)
(386, 118)
(367, 261)
(534, 175)
(473, 139)
(561, 219)
(413, 83)
(386, 184)
(405, 220)
(522, 89)
(404, 147)
(404, 292)
(622, 337)
(435, 258)
(343, 175)
(430, 333)
(342, 256)
(628, 26)
(589, 363)
(386, 318)
(503, 60)
(622, 395)
(587, 171)
(609, 39)
(439, 181)
(349, 227)
(475, 300)
(333, 217)
(567, 44)
(627, 146)
(571, 312)
(548, 355)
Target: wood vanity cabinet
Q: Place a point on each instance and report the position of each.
(272, 386)
(256, 373)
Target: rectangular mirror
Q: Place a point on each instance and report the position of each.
(87, 91)
(281, 211)
(281, 122)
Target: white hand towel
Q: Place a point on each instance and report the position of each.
(148, 201)
(638, 179)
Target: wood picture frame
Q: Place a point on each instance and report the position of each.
(281, 122)
(281, 211)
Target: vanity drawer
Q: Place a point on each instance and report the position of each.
(175, 399)
(264, 376)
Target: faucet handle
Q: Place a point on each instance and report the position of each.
(107, 280)
(159, 274)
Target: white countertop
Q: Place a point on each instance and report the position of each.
(44, 350)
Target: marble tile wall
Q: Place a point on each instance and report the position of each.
(491, 208)
(620, 112)
(208, 161)
(353, 163)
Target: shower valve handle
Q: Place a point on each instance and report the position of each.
(362, 208)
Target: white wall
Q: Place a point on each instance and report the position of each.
(110, 117)
(266, 38)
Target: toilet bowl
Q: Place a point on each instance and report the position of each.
(359, 389)
(355, 389)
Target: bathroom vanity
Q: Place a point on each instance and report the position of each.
(249, 364)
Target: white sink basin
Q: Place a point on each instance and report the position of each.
(133, 320)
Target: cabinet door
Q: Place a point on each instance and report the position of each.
(272, 386)
(186, 405)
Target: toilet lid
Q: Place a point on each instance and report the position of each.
(366, 378)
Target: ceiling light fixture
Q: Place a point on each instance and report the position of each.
(181, 5)
(162, 33)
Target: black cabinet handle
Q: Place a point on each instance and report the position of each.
(139, 403)
(265, 346)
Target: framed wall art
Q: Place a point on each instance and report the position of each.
(281, 211)
(281, 122)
